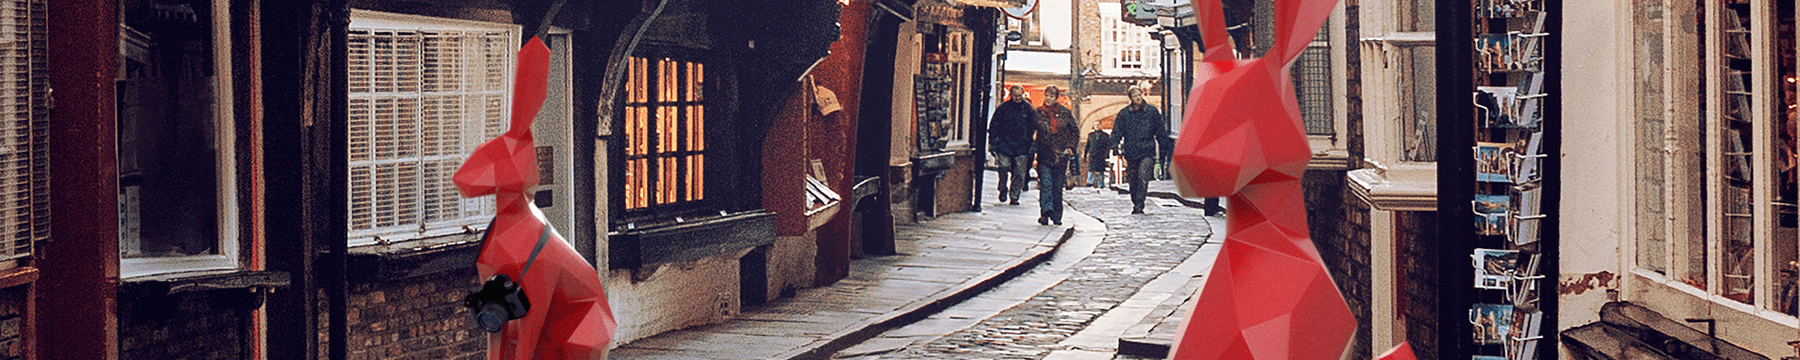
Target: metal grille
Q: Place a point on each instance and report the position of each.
(1312, 86)
(24, 205)
(420, 100)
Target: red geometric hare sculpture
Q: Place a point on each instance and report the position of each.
(533, 275)
(1269, 295)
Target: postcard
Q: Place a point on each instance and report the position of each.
(1525, 221)
(1491, 212)
(1494, 268)
(1528, 96)
(1494, 161)
(1524, 282)
(1520, 340)
(1490, 322)
(1526, 170)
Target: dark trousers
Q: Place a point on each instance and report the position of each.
(1050, 192)
(1138, 170)
(1014, 171)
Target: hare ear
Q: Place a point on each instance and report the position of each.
(1296, 23)
(1212, 23)
(533, 74)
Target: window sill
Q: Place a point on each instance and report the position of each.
(406, 259)
(1330, 160)
(18, 276)
(819, 216)
(1404, 187)
(1627, 325)
(177, 283)
(689, 241)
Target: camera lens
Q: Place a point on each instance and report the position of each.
(492, 317)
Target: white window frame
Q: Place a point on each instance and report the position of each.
(1127, 47)
(1392, 184)
(473, 132)
(960, 54)
(225, 137)
(1330, 151)
(1757, 325)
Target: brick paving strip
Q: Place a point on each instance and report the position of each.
(943, 261)
(1137, 249)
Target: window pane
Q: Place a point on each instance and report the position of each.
(1782, 248)
(1736, 267)
(168, 128)
(1652, 231)
(1312, 86)
(1690, 224)
(431, 97)
(1419, 121)
(1424, 16)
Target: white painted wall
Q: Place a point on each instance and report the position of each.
(1057, 21)
(1596, 161)
(674, 296)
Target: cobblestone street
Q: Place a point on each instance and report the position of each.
(1135, 250)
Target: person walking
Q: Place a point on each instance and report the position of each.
(1009, 138)
(1099, 153)
(1137, 132)
(1056, 138)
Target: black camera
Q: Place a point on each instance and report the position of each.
(499, 300)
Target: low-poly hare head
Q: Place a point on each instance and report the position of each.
(1243, 123)
(508, 164)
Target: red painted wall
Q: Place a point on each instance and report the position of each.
(80, 268)
(833, 139)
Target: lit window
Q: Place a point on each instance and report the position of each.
(665, 128)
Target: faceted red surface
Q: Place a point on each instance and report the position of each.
(1269, 295)
(569, 317)
(1402, 352)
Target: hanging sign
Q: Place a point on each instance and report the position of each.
(1021, 9)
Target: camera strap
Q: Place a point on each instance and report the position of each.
(543, 236)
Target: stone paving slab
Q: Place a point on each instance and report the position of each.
(1136, 249)
(1164, 189)
(941, 262)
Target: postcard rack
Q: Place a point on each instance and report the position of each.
(1510, 98)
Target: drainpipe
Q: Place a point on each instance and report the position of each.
(338, 15)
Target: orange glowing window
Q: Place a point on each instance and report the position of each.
(664, 124)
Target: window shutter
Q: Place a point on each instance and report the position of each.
(40, 124)
(362, 128)
(420, 100)
(21, 132)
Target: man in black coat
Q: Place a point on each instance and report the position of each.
(1009, 138)
(1138, 130)
(1099, 152)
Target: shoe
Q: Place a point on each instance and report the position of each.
(1044, 221)
(1003, 195)
(1137, 209)
(1014, 202)
(1057, 222)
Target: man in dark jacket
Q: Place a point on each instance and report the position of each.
(1099, 152)
(1009, 138)
(1056, 138)
(1139, 130)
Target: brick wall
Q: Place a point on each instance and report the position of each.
(413, 318)
(190, 325)
(1087, 34)
(1416, 237)
(12, 310)
(1339, 226)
